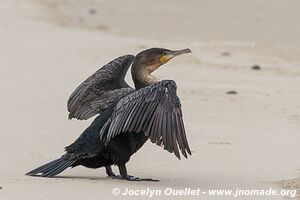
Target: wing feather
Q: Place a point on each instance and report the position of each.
(102, 89)
(174, 139)
(164, 131)
(179, 136)
(154, 111)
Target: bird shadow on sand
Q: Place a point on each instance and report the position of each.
(162, 181)
(203, 183)
(98, 178)
(83, 178)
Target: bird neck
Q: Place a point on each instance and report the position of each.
(142, 76)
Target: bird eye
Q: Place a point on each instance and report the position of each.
(164, 53)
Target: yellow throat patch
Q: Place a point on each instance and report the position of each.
(164, 59)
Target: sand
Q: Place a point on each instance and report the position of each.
(245, 140)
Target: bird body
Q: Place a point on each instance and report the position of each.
(127, 117)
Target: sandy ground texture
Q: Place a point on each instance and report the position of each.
(246, 140)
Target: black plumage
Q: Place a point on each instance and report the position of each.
(159, 103)
(127, 117)
(101, 90)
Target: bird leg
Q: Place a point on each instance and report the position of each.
(109, 171)
(123, 175)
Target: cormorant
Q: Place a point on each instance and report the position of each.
(127, 117)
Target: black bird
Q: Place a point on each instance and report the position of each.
(127, 117)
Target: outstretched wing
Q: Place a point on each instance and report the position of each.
(102, 89)
(154, 111)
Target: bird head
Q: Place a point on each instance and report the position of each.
(148, 61)
(153, 58)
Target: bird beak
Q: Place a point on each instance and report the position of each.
(173, 54)
(180, 52)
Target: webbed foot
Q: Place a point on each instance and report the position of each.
(125, 176)
(133, 178)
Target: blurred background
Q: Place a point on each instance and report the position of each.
(268, 23)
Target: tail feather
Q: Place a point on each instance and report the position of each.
(52, 168)
(42, 168)
(58, 169)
